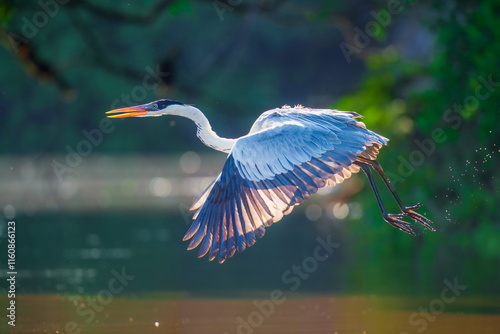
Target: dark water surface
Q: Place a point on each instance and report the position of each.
(289, 314)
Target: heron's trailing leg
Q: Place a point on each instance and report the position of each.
(393, 219)
(408, 210)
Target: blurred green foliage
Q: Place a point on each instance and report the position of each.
(459, 181)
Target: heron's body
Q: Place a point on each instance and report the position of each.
(289, 154)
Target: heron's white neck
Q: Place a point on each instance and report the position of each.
(205, 132)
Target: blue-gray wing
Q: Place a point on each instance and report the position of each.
(269, 172)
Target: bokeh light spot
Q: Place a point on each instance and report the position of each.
(313, 212)
(190, 162)
(340, 210)
(160, 187)
(9, 211)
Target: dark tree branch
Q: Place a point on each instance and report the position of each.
(98, 53)
(156, 11)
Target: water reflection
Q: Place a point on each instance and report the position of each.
(107, 313)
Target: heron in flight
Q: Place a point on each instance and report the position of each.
(289, 154)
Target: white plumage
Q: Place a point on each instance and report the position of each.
(288, 155)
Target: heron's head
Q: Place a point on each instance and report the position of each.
(156, 108)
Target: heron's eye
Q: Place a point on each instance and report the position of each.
(155, 106)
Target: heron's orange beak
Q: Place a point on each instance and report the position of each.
(128, 112)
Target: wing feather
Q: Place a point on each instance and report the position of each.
(239, 224)
(207, 240)
(223, 231)
(203, 197)
(270, 171)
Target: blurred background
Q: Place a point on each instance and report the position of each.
(91, 195)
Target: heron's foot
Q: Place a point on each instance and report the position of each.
(395, 221)
(408, 210)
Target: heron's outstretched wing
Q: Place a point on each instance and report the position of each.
(269, 172)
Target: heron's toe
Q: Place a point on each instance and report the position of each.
(395, 221)
(420, 219)
(413, 207)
